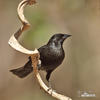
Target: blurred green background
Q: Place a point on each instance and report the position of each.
(80, 70)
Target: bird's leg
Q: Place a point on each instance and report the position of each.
(50, 88)
(48, 77)
(48, 74)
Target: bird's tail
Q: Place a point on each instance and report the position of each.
(23, 71)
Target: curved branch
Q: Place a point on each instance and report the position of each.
(13, 42)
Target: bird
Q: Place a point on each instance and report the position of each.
(51, 56)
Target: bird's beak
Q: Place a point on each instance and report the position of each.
(66, 36)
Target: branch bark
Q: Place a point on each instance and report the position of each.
(13, 42)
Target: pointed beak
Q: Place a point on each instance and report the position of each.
(66, 36)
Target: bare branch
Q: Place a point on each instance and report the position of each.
(13, 42)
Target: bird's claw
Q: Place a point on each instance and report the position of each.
(51, 90)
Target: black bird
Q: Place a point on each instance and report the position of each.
(51, 56)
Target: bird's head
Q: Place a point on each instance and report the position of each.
(58, 39)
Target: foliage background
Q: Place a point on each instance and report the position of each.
(80, 70)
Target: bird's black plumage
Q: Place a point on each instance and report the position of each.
(51, 56)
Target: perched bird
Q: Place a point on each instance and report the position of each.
(51, 56)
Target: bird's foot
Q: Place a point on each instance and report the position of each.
(49, 86)
(50, 89)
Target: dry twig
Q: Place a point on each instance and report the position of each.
(13, 42)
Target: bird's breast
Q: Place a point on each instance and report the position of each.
(52, 58)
